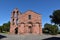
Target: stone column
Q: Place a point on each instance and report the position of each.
(21, 29)
(12, 29)
(18, 28)
(40, 29)
(36, 29)
(26, 28)
(33, 29)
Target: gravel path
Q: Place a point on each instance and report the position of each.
(26, 37)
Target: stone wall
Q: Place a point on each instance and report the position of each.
(24, 24)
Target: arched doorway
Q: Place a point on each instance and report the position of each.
(16, 30)
(30, 29)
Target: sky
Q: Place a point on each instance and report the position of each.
(43, 7)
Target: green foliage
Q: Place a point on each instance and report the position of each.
(5, 27)
(58, 31)
(0, 28)
(55, 17)
(51, 29)
(54, 29)
(47, 28)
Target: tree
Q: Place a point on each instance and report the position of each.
(51, 29)
(0, 29)
(55, 17)
(54, 29)
(5, 27)
(47, 28)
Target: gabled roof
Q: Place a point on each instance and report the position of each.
(16, 9)
(30, 11)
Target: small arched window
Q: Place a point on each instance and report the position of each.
(13, 11)
(13, 22)
(17, 11)
(29, 16)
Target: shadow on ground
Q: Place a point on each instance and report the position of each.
(2, 36)
(52, 38)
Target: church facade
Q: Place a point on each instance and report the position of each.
(25, 23)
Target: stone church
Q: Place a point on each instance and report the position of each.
(28, 22)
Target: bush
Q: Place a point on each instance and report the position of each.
(5, 27)
(45, 31)
(52, 29)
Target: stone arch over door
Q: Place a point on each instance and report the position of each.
(30, 29)
(30, 25)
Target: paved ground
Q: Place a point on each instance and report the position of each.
(29, 37)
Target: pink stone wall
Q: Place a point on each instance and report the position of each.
(23, 23)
